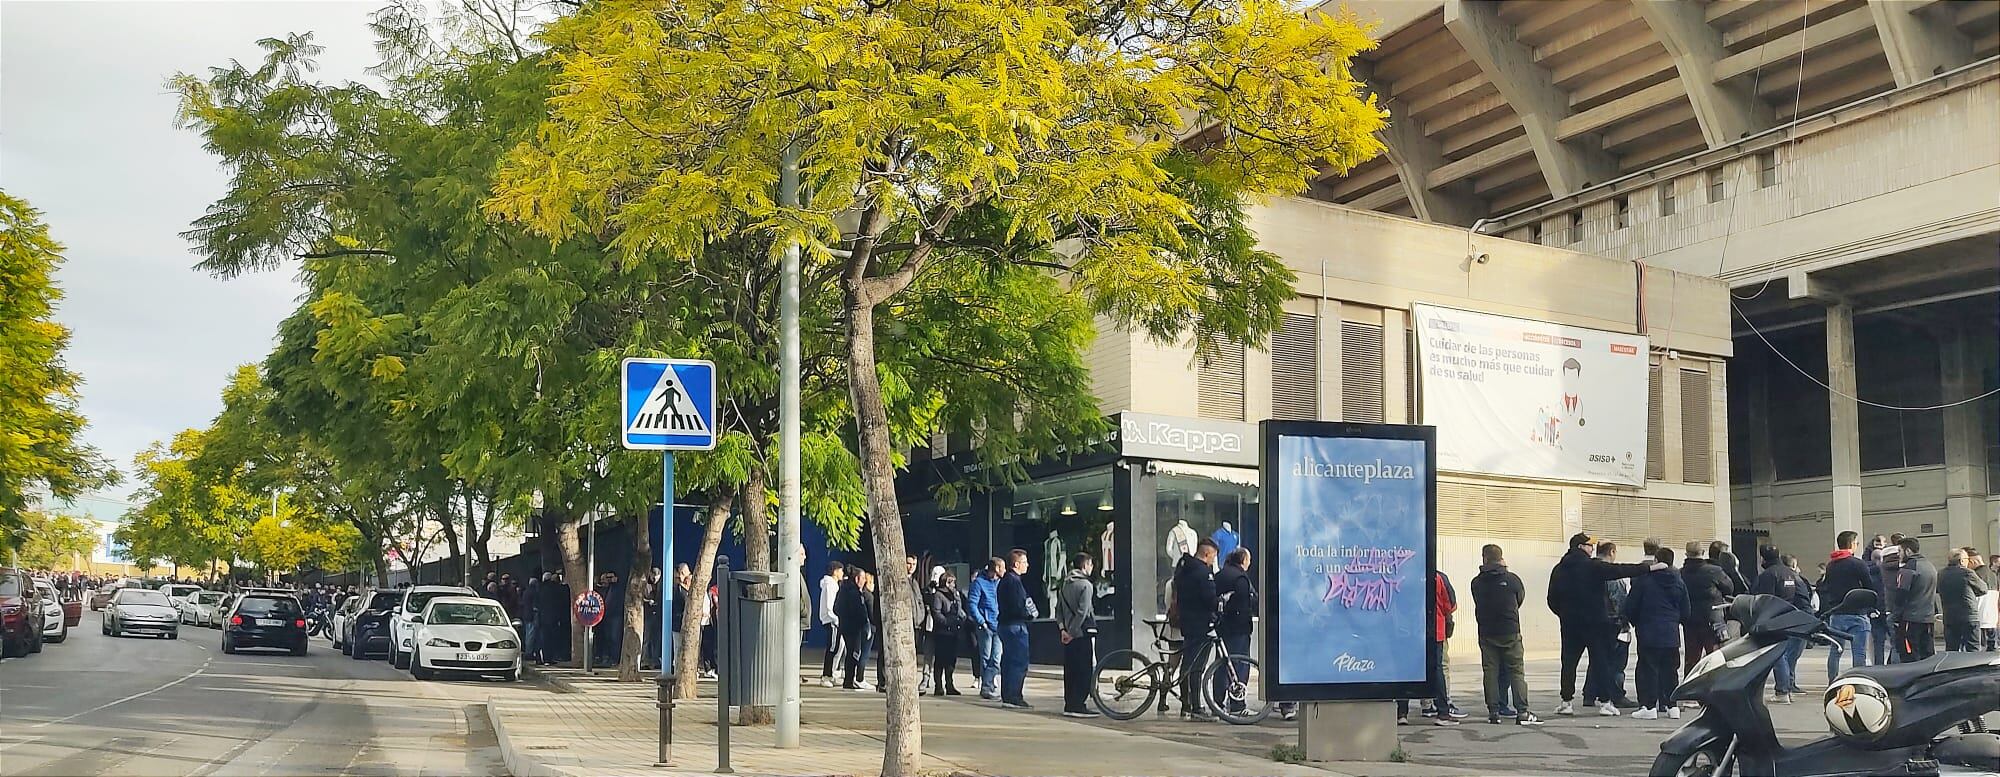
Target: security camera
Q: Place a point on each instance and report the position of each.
(1481, 257)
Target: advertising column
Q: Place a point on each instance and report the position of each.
(1350, 545)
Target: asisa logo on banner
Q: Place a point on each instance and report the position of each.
(1348, 570)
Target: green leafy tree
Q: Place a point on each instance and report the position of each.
(947, 147)
(40, 450)
(53, 541)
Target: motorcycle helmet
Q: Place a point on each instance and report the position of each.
(1858, 708)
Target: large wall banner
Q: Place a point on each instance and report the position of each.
(1347, 558)
(1512, 396)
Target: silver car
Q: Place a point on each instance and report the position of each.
(142, 611)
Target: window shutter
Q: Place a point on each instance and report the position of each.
(1295, 368)
(1361, 372)
(1695, 447)
(1656, 444)
(1220, 393)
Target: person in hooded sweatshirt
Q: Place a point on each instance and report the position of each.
(1656, 608)
(1845, 572)
(1497, 595)
(1780, 581)
(1576, 596)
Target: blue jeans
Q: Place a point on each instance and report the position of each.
(1857, 629)
(1880, 638)
(1013, 662)
(988, 661)
(530, 647)
(1788, 666)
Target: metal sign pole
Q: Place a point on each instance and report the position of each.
(589, 581)
(666, 678)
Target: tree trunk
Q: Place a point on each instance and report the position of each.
(458, 558)
(576, 574)
(482, 538)
(687, 657)
(757, 557)
(632, 651)
(903, 737)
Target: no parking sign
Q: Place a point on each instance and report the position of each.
(589, 608)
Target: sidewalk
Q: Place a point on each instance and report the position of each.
(599, 727)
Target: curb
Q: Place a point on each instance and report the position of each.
(558, 684)
(518, 763)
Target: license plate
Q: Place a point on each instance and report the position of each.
(473, 657)
(270, 622)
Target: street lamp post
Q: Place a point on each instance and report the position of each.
(789, 549)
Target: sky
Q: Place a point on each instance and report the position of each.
(87, 136)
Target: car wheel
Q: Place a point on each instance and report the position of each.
(400, 660)
(6, 648)
(228, 647)
(35, 642)
(356, 652)
(512, 675)
(417, 669)
(175, 634)
(61, 636)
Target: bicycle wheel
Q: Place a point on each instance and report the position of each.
(1125, 684)
(1234, 690)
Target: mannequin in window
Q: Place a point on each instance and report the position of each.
(1226, 539)
(1055, 567)
(1105, 543)
(1180, 541)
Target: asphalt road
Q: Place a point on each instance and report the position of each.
(100, 705)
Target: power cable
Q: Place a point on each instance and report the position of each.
(1843, 394)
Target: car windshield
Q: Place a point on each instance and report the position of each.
(10, 586)
(458, 614)
(209, 597)
(143, 596)
(419, 599)
(383, 601)
(268, 606)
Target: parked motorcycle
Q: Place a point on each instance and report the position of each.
(318, 623)
(1911, 720)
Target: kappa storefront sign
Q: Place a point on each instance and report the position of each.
(1200, 440)
(1524, 398)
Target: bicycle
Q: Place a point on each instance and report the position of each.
(1128, 682)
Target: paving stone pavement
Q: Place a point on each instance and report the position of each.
(600, 727)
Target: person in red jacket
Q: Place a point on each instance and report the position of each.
(1440, 706)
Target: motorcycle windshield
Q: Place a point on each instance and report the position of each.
(1764, 615)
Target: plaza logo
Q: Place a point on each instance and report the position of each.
(1368, 472)
(1348, 663)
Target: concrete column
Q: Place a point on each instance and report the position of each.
(1569, 165)
(1395, 363)
(1415, 156)
(1726, 110)
(1843, 418)
(1963, 359)
(1718, 403)
(1919, 37)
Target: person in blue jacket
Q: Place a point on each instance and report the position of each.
(982, 605)
(1656, 608)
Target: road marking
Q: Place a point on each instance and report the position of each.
(100, 707)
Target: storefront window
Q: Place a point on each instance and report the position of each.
(1193, 502)
(1053, 519)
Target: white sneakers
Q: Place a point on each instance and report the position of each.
(1647, 713)
(1607, 709)
(826, 682)
(1674, 713)
(1565, 709)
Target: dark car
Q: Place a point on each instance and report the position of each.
(265, 620)
(141, 611)
(20, 615)
(368, 634)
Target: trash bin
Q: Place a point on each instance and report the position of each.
(756, 662)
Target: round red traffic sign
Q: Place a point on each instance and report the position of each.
(589, 608)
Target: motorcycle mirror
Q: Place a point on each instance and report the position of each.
(1857, 601)
(1740, 607)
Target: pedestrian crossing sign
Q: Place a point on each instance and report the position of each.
(668, 404)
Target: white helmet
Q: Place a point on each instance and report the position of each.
(1858, 708)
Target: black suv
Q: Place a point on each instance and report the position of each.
(265, 620)
(369, 632)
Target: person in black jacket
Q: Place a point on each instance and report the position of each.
(1656, 608)
(1708, 587)
(1576, 596)
(1913, 603)
(850, 611)
(552, 612)
(1845, 572)
(1780, 581)
(947, 611)
(1497, 595)
(1194, 614)
(1016, 611)
(1719, 555)
(1959, 589)
(1237, 595)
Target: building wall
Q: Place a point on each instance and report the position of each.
(1359, 271)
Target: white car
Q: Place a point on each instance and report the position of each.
(177, 591)
(54, 630)
(403, 630)
(465, 634)
(202, 608)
